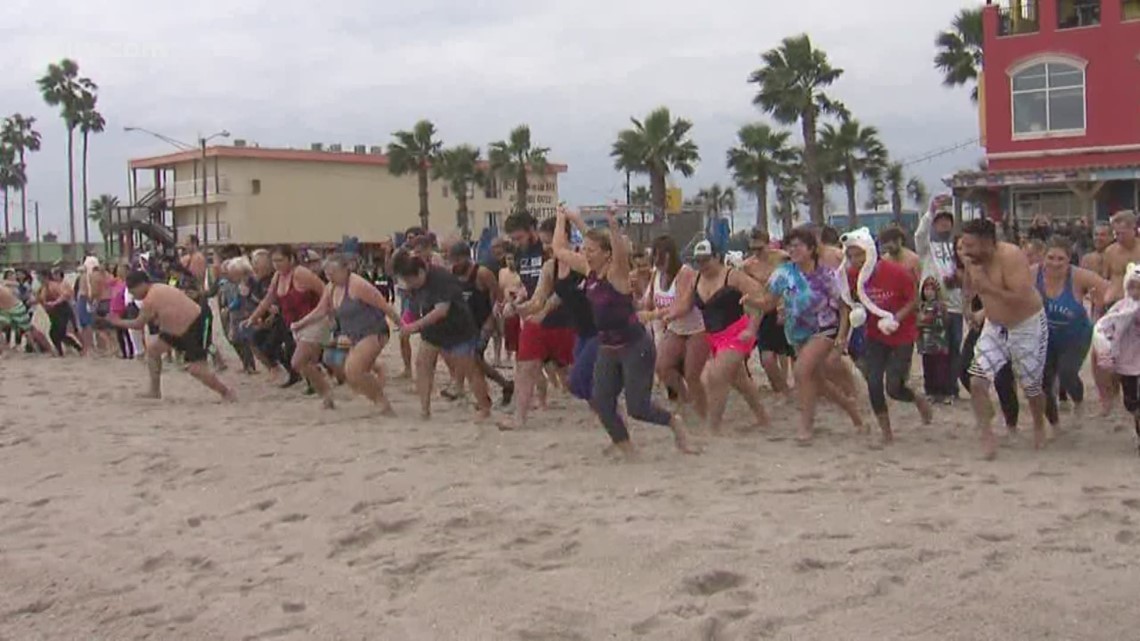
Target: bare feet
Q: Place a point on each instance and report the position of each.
(925, 410)
(230, 396)
(387, 410)
(507, 424)
(804, 437)
(681, 437)
(153, 396)
(1040, 437)
(328, 404)
(989, 445)
(624, 449)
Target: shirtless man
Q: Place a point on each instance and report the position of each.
(830, 253)
(195, 261)
(16, 316)
(771, 342)
(183, 324)
(1094, 260)
(1016, 329)
(893, 248)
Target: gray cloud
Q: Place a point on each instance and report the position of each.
(289, 72)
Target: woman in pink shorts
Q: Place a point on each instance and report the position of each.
(731, 334)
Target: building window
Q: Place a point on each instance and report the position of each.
(446, 192)
(1059, 206)
(1072, 14)
(1018, 17)
(255, 186)
(1131, 9)
(492, 219)
(1048, 97)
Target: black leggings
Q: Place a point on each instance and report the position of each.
(61, 318)
(276, 343)
(892, 364)
(630, 368)
(1130, 390)
(1004, 382)
(126, 344)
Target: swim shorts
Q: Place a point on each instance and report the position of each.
(772, 338)
(192, 343)
(16, 317)
(729, 338)
(1025, 345)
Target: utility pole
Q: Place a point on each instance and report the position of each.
(205, 197)
(38, 237)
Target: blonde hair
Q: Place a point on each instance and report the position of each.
(241, 263)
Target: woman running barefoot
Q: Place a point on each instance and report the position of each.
(445, 325)
(718, 292)
(1117, 340)
(682, 346)
(55, 297)
(625, 350)
(360, 310)
(296, 291)
(1064, 288)
(814, 327)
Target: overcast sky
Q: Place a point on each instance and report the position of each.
(289, 72)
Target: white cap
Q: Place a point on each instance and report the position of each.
(703, 249)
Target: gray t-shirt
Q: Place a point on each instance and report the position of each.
(455, 328)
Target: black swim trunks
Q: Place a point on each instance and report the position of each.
(193, 342)
(770, 337)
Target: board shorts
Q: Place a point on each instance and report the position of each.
(16, 317)
(466, 348)
(539, 343)
(729, 338)
(83, 316)
(1024, 345)
(193, 343)
(103, 308)
(771, 337)
(317, 333)
(512, 327)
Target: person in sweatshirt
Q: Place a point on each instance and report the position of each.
(934, 242)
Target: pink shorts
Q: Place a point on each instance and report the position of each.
(408, 316)
(729, 338)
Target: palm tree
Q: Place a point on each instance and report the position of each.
(414, 152)
(11, 177)
(62, 87)
(851, 151)
(761, 154)
(656, 146)
(18, 133)
(515, 159)
(959, 56)
(789, 194)
(100, 212)
(895, 182)
(916, 191)
(460, 168)
(640, 196)
(792, 83)
(90, 122)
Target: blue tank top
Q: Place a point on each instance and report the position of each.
(1066, 315)
(614, 315)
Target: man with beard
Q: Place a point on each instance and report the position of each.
(1117, 257)
(891, 243)
(935, 244)
(481, 294)
(1102, 238)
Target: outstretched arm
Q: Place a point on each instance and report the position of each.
(562, 249)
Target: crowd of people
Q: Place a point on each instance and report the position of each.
(579, 309)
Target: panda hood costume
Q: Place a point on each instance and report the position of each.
(860, 303)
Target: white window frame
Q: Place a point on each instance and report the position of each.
(1068, 61)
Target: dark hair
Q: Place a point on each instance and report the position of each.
(192, 239)
(136, 278)
(892, 234)
(414, 231)
(519, 221)
(954, 249)
(982, 228)
(829, 235)
(666, 246)
(459, 250)
(760, 234)
(405, 264)
(1060, 242)
(805, 236)
(285, 250)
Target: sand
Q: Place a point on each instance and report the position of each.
(273, 519)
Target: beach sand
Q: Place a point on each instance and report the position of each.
(273, 519)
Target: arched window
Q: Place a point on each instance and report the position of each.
(1048, 97)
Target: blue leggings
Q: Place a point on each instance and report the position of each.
(582, 372)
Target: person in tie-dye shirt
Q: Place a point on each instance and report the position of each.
(816, 326)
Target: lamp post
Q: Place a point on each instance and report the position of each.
(202, 142)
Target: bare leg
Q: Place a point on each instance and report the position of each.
(425, 376)
(741, 383)
(984, 414)
(1037, 409)
(669, 353)
(527, 374)
(406, 356)
(467, 365)
(154, 367)
(306, 362)
(722, 371)
(811, 358)
(777, 375)
(360, 374)
(696, 357)
(202, 372)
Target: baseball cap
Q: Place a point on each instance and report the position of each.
(459, 250)
(703, 249)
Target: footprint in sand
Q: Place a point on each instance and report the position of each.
(1126, 537)
(806, 565)
(712, 582)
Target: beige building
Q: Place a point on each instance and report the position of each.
(259, 196)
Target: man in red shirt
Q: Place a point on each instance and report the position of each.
(889, 293)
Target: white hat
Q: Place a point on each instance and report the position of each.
(703, 249)
(90, 263)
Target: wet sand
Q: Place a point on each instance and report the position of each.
(273, 519)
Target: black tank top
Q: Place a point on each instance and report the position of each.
(572, 292)
(479, 301)
(723, 309)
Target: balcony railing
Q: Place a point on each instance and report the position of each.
(190, 191)
(1019, 17)
(218, 232)
(1073, 14)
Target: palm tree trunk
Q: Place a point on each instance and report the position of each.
(71, 187)
(811, 171)
(7, 229)
(24, 200)
(896, 207)
(657, 187)
(422, 175)
(462, 214)
(852, 208)
(86, 222)
(521, 188)
(762, 203)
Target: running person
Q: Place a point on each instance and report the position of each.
(481, 293)
(54, 296)
(446, 326)
(361, 314)
(183, 324)
(1016, 328)
(771, 341)
(14, 315)
(625, 350)
(682, 349)
(1124, 251)
(1118, 342)
(1063, 289)
(718, 292)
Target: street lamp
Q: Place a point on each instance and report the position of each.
(202, 141)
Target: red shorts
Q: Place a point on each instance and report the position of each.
(511, 328)
(538, 343)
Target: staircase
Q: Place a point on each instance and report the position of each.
(143, 216)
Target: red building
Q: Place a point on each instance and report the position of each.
(1059, 110)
